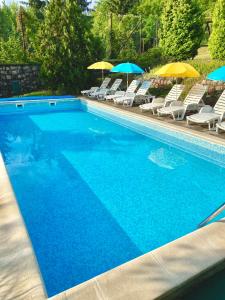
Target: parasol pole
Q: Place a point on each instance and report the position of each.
(127, 80)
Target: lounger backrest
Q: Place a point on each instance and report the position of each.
(219, 108)
(133, 86)
(102, 91)
(144, 88)
(174, 93)
(116, 85)
(105, 83)
(195, 95)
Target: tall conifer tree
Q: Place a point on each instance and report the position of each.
(181, 29)
(217, 38)
(65, 44)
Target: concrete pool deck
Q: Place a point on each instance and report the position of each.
(159, 274)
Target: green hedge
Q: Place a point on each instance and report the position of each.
(206, 66)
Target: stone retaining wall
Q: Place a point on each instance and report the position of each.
(18, 79)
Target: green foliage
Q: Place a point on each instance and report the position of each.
(7, 20)
(206, 66)
(119, 40)
(151, 58)
(120, 7)
(206, 7)
(181, 29)
(11, 51)
(65, 45)
(217, 38)
(37, 4)
(42, 93)
(150, 12)
(160, 91)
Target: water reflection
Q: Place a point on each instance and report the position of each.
(166, 158)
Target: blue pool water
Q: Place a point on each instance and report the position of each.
(95, 194)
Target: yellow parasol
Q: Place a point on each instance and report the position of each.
(101, 65)
(177, 69)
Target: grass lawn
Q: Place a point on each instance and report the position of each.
(41, 93)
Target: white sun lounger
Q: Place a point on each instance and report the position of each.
(157, 103)
(102, 93)
(128, 100)
(92, 90)
(220, 126)
(104, 85)
(131, 89)
(209, 115)
(193, 101)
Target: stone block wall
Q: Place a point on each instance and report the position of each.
(18, 79)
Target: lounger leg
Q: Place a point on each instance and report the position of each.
(213, 127)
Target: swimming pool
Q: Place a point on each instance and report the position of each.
(95, 194)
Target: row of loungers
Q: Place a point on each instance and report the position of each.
(213, 117)
(127, 98)
(168, 106)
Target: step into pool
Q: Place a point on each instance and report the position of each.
(96, 190)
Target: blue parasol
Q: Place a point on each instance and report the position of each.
(218, 74)
(127, 68)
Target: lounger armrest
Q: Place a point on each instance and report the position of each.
(130, 95)
(176, 103)
(206, 109)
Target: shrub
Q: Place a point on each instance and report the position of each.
(151, 58)
(216, 40)
(205, 67)
(11, 51)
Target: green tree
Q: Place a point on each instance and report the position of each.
(150, 12)
(216, 40)
(181, 29)
(120, 7)
(11, 51)
(118, 32)
(7, 20)
(66, 45)
(37, 4)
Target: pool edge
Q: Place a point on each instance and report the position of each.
(18, 263)
(159, 274)
(189, 131)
